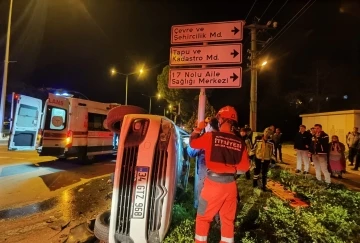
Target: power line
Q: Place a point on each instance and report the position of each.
(288, 25)
(279, 10)
(271, 18)
(266, 10)
(250, 10)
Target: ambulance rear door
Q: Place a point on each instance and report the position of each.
(55, 126)
(26, 123)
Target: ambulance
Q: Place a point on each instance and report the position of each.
(72, 127)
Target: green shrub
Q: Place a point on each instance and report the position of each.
(183, 232)
(333, 215)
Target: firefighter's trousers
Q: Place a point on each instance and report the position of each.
(219, 195)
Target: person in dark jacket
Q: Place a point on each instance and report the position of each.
(277, 138)
(249, 132)
(357, 158)
(319, 148)
(301, 145)
(200, 168)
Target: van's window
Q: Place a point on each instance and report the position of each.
(96, 121)
(55, 118)
(27, 116)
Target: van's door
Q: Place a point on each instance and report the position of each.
(26, 123)
(55, 126)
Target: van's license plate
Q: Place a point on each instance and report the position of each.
(140, 192)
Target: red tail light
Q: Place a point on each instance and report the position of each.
(39, 138)
(69, 138)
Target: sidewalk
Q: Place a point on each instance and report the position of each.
(351, 179)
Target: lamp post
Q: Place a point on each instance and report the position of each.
(5, 75)
(113, 72)
(158, 96)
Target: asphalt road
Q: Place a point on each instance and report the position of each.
(26, 178)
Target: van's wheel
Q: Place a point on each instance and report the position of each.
(101, 228)
(116, 115)
(84, 158)
(87, 159)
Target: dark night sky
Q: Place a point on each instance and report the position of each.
(72, 44)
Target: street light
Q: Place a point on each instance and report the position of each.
(264, 63)
(114, 72)
(5, 74)
(158, 96)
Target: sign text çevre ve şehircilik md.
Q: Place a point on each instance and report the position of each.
(186, 34)
(194, 78)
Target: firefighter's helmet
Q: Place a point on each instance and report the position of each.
(227, 112)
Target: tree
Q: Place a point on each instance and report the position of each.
(175, 96)
(209, 111)
(188, 98)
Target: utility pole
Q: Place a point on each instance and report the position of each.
(254, 69)
(317, 89)
(253, 84)
(5, 76)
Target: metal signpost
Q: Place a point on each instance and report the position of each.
(215, 55)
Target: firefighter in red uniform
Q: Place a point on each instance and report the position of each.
(225, 155)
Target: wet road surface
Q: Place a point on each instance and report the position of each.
(53, 220)
(26, 178)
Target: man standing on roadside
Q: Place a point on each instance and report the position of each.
(319, 148)
(352, 139)
(277, 138)
(301, 145)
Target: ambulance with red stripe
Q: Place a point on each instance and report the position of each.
(72, 127)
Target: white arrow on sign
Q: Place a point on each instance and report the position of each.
(191, 78)
(204, 55)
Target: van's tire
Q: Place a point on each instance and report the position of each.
(116, 115)
(84, 158)
(101, 228)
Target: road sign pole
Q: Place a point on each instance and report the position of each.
(126, 88)
(202, 100)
